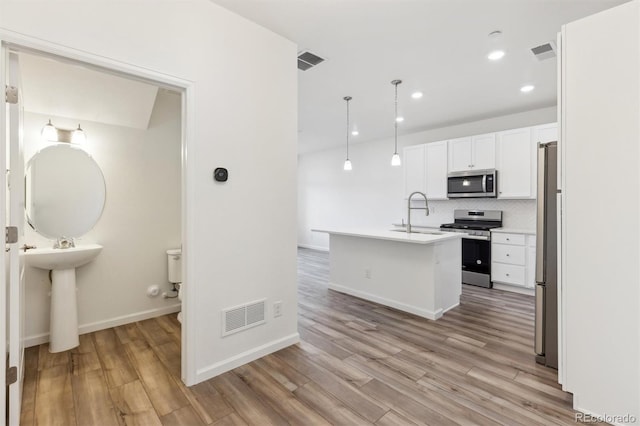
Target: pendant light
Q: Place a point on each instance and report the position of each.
(78, 137)
(395, 159)
(49, 132)
(347, 162)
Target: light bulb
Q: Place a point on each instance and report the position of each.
(395, 160)
(399, 119)
(49, 132)
(347, 165)
(527, 88)
(355, 133)
(496, 55)
(416, 95)
(78, 136)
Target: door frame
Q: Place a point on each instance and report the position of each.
(21, 43)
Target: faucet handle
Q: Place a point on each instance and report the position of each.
(64, 243)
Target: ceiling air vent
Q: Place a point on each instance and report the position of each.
(308, 60)
(545, 51)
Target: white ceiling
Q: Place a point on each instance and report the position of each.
(61, 89)
(436, 46)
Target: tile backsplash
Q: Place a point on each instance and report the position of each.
(515, 213)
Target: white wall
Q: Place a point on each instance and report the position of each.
(601, 142)
(371, 195)
(240, 241)
(140, 221)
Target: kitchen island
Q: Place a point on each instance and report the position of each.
(418, 273)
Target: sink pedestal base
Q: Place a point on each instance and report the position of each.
(64, 311)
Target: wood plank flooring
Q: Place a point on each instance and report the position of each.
(359, 363)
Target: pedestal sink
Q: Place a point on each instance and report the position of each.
(64, 309)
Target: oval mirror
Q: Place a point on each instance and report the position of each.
(65, 191)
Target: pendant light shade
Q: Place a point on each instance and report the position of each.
(395, 159)
(49, 132)
(347, 163)
(78, 137)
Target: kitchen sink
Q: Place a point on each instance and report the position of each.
(420, 231)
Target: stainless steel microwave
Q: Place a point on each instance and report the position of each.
(473, 184)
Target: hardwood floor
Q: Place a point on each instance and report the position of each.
(358, 363)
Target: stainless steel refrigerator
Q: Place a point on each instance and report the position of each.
(546, 332)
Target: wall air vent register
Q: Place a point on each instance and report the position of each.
(242, 317)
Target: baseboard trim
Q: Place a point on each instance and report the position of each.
(311, 247)
(424, 313)
(246, 357)
(514, 289)
(39, 339)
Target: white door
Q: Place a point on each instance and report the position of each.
(11, 214)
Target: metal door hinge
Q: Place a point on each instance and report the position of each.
(11, 234)
(11, 94)
(12, 375)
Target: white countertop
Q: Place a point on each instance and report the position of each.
(514, 231)
(400, 236)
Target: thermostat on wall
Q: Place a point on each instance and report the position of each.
(220, 174)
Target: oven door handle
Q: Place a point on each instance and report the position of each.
(476, 237)
(484, 183)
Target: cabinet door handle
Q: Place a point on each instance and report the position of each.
(507, 254)
(507, 274)
(508, 239)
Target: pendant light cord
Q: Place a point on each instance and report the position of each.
(395, 119)
(347, 98)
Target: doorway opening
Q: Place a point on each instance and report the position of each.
(135, 127)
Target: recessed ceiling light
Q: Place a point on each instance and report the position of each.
(527, 88)
(399, 119)
(416, 95)
(355, 133)
(496, 55)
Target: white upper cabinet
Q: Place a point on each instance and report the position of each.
(545, 133)
(436, 172)
(516, 164)
(472, 153)
(414, 169)
(459, 154)
(484, 151)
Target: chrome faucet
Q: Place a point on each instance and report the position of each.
(64, 243)
(409, 208)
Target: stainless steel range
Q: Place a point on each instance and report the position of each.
(476, 244)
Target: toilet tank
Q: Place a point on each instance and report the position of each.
(174, 265)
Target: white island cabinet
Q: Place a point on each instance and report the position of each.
(415, 273)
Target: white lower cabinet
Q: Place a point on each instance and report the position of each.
(513, 259)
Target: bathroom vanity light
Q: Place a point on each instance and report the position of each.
(49, 132)
(395, 159)
(78, 136)
(347, 162)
